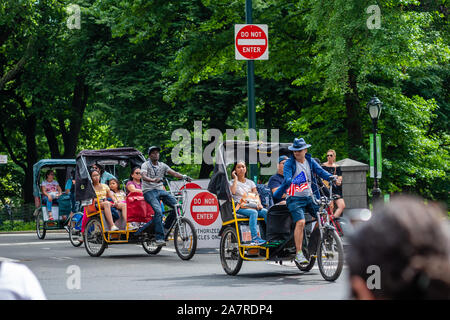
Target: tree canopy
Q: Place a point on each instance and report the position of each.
(135, 71)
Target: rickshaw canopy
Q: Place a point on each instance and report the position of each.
(86, 158)
(48, 163)
(231, 151)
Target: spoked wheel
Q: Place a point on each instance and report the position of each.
(93, 237)
(40, 225)
(331, 256)
(185, 239)
(75, 236)
(150, 247)
(229, 252)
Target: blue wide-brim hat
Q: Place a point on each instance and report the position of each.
(299, 144)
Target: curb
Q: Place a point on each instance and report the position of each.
(31, 231)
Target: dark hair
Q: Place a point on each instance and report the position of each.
(91, 171)
(100, 167)
(132, 171)
(236, 163)
(116, 180)
(48, 173)
(410, 244)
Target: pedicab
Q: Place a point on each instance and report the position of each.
(320, 242)
(97, 233)
(62, 206)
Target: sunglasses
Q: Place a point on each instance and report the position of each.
(137, 173)
(329, 155)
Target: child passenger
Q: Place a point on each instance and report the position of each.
(120, 200)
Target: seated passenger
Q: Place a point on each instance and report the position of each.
(240, 187)
(103, 192)
(276, 180)
(119, 200)
(70, 190)
(134, 184)
(50, 191)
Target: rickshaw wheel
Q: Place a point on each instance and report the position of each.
(74, 235)
(185, 240)
(150, 247)
(40, 225)
(331, 256)
(94, 242)
(229, 252)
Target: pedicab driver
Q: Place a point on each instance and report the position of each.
(153, 172)
(300, 186)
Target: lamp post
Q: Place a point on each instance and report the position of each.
(374, 108)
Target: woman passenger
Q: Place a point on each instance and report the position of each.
(50, 191)
(103, 192)
(240, 186)
(134, 184)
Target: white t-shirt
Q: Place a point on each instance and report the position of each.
(17, 282)
(242, 188)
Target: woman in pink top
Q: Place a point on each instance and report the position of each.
(135, 182)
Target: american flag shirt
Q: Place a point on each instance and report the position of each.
(301, 183)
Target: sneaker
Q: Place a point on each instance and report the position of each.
(160, 243)
(300, 258)
(257, 242)
(132, 226)
(114, 228)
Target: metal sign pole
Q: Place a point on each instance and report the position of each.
(251, 93)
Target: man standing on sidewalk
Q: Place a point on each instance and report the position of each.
(300, 186)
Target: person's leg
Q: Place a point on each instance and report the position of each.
(340, 203)
(253, 215)
(123, 207)
(152, 198)
(296, 206)
(106, 206)
(48, 204)
(262, 213)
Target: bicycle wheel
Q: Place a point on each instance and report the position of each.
(229, 252)
(185, 239)
(75, 236)
(150, 247)
(40, 225)
(331, 256)
(94, 242)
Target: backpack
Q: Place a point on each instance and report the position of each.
(265, 195)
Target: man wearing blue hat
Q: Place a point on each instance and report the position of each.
(277, 179)
(300, 186)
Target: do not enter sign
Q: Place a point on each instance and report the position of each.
(251, 41)
(204, 208)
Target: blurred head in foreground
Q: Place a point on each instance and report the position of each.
(403, 252)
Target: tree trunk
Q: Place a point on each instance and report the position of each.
(353, 120)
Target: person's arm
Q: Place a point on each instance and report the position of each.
(132, 188)
(255, 191)
(44, 192)
(175, 174)
(59, 190)
(233, 186)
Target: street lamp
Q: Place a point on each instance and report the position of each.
(374, 108)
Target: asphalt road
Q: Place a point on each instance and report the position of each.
(126, 272)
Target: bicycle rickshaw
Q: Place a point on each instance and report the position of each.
(62, 206)
(321, 243)
(96, 232)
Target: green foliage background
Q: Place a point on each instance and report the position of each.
(137, 70)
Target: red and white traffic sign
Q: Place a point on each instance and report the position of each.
(204, 208)
(251, 41)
